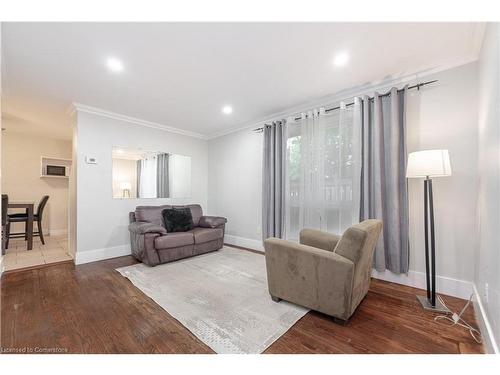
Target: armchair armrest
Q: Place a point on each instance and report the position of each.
(141, 227)
(319, 239)
(308, 276)
(212, 221)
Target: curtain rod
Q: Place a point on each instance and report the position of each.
(417, 86)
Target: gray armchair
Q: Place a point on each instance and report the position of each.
(152, 245)
(325, 272)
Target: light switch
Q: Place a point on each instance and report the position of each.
(90, 160)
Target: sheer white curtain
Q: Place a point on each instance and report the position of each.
(147, 184)
(322, 172)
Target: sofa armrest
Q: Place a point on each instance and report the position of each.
(211, 221)
(142, 227)
(318, 239)
(142, 237)
(308, 276)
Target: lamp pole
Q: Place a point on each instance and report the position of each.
(430, 303)
(426, 232)
(427, 164)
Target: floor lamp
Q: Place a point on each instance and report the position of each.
(428, 164)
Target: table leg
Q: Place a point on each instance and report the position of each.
(30, 228)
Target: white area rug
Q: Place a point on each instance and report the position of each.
(221, 297)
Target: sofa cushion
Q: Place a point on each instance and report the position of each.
(176, 239)
(196, 213)
(177, 219)
(150, 214)
(202, 235)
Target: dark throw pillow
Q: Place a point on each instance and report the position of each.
(177, 219)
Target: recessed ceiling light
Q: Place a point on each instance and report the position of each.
(341, 59)
(227, 110)
(114, 64)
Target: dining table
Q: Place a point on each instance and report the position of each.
(29, 206)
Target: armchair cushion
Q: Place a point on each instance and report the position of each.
(319, 239)
(211, 221)
(141, 227)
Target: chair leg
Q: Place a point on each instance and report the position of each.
(26, 230)
(7, 235)
(40, 232)
(4, 238)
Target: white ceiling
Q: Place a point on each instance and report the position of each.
(181, 74)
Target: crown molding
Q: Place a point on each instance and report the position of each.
(78, 107)
(346, 95)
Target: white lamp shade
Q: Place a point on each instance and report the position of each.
(432, 163)
(125, 185)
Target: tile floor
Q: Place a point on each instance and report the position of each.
(54, 250)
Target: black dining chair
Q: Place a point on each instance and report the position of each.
(5, 218)
(23, 217)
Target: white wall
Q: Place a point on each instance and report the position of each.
(101, 220)
(443, 115)
(487, 247)
(234, 184)
(21, 180)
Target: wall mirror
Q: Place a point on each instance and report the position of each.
(150, 174)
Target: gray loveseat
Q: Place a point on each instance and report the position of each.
(152, 245)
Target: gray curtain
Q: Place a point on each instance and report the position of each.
(273, 180)
(384, 193)
(138, 187)
(162, 170)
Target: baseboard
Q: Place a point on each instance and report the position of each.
(58, 232)
(489, 341)
(416, 279)
(243, 242)
(88, 256)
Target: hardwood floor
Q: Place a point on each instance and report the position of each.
(93, 309)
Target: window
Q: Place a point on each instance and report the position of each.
(323, 173)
